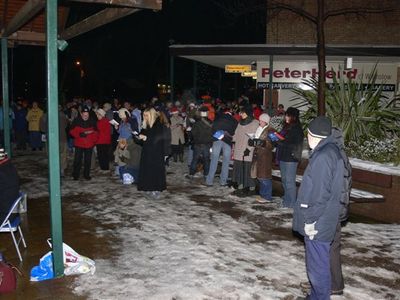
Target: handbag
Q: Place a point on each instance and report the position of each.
(8, 280)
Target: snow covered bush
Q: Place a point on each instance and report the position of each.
(373, 149)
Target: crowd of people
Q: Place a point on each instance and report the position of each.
(137, 141)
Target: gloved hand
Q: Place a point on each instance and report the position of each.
(258, 142)
(246, 152)
(250, 142)
(310, 230)
(82, 134)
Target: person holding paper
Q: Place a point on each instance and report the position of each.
(261, 167)
(224, 128)
(243, 153)
(85, 134)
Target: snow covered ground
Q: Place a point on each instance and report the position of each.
(198, 242)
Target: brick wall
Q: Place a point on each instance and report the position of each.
(388, 211)
(363, 29)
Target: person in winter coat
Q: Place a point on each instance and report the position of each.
(177, 135)
(103, 143)
(62, 136)
(127, 157)
(261, 166)
(85, 134)
(21, 126)
(317, 209)
(124, 128)
(188, 125)
(289, 154)
(243, 153)
(202, 140)
(9, 185)
(33, 117)
(152, 177)
(226, 125)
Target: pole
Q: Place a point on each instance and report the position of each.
(53, 138)
(219, 83)
(195, 79)
(6, 100)
(271, 88)
(171, 77)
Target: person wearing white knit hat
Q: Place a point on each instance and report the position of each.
(261, 167)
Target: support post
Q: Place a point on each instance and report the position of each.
(6, 100)
(195, 79)
(53, 138)
(219, 83)
(171, 77)
(271, 87)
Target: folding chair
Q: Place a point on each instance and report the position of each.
(12, 223)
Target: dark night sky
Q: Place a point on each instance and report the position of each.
(132, 49)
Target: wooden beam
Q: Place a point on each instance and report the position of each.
(28, 36)
(23, 16)
(143, 4)
(101, 18)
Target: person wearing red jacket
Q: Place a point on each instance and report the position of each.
(85, 134)
(103, 143)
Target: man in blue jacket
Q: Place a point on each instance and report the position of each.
(316, 212)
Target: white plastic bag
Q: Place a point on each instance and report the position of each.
(127, 178)
(74, 263)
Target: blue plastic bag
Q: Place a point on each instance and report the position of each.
(44, 270)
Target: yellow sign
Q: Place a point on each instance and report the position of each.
(237, 68)
(249, 74)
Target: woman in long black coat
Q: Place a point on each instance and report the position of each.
(152, 168)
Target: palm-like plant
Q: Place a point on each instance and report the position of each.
(359, 110)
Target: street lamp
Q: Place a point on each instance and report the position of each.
(81, 75)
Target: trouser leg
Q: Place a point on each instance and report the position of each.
(318, 269)
(226, 158)
(216, 149)
(77, 162)
(87, 162)
(206, 158)
(196, 156)
(336, 262)
(102, 154)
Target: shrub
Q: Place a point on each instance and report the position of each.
(359, 110)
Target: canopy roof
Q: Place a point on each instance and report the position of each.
(221, 55)
(23, 22)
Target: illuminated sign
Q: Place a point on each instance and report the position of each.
(237, 68)
(249, 74)
(289, 73)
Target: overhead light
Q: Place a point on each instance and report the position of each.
(62, 45)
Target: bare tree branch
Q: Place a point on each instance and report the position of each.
(358, 11)
(274, 5)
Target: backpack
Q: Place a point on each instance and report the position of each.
(347, 178)
(8, 280)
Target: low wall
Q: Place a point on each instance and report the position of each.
(387, 185)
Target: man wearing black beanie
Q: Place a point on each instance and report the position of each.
(317, 209)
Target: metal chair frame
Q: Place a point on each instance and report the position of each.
(13, 225)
